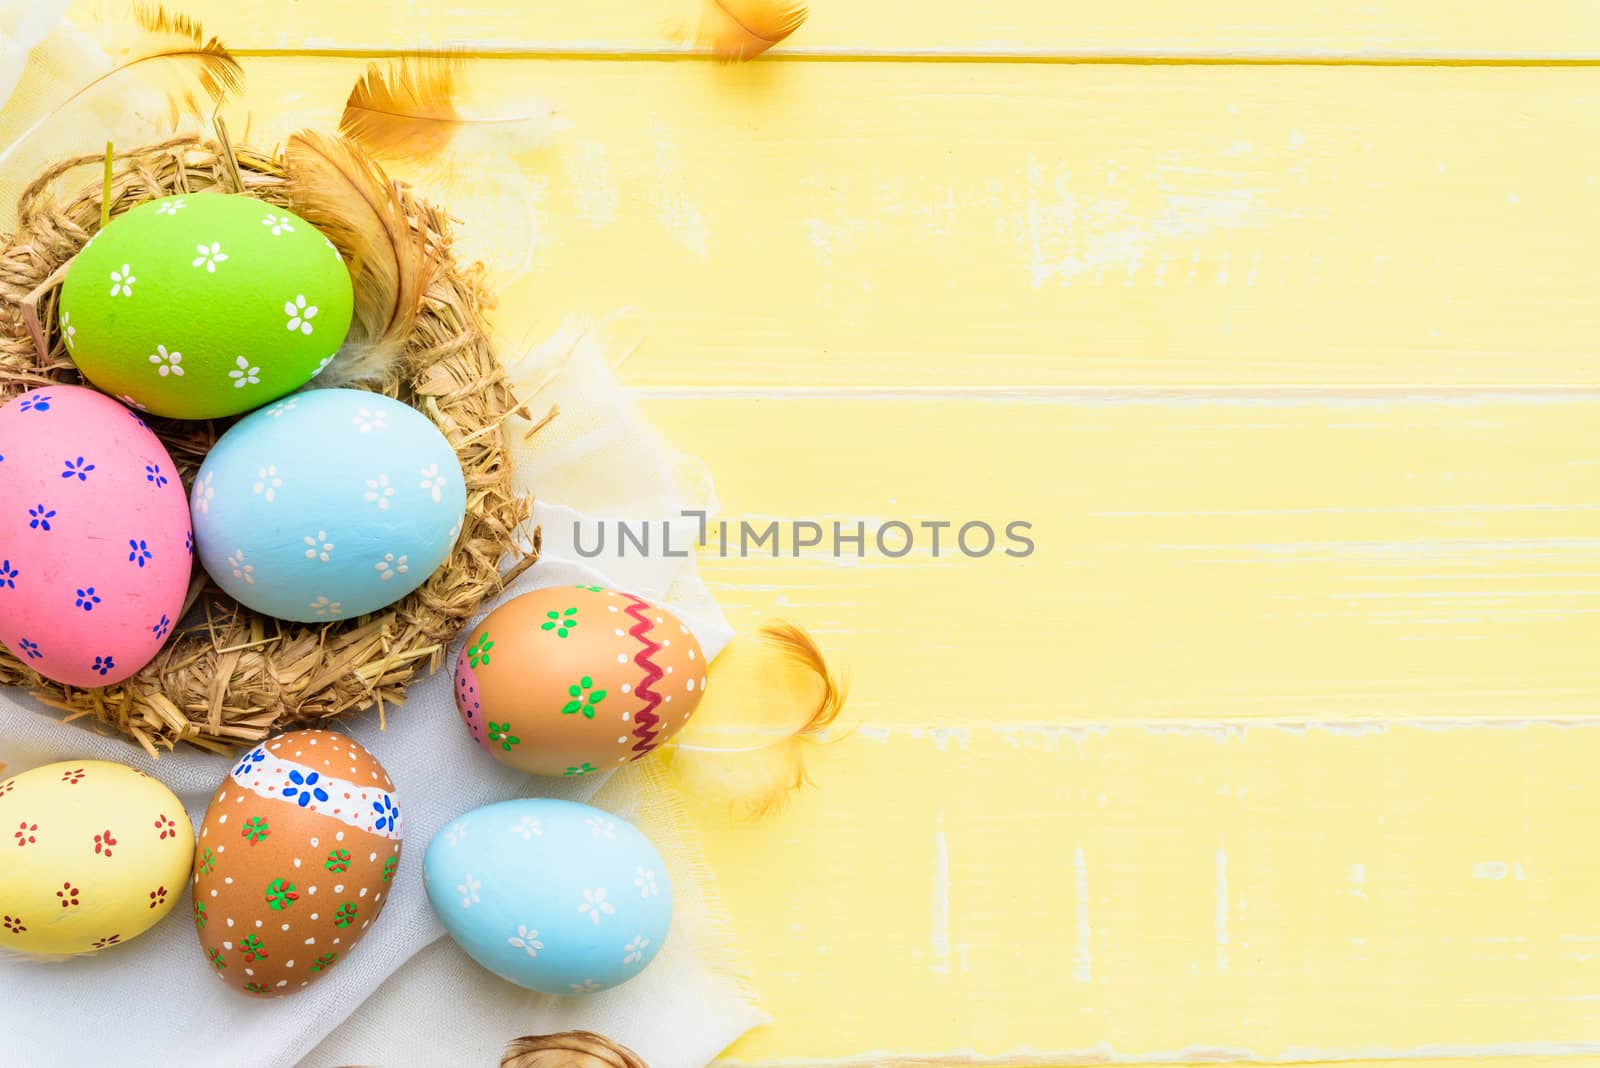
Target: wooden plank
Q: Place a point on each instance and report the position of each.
(1201, 558)
(1308, 634)
(1235, 590)
(1226, 28)
(1069, 896)
(1000, 225)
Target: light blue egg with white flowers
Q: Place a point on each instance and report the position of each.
(550, 895)
(327, 505)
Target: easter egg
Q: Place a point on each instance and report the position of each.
(95, 855)
(550, 895)
(296, 855)
(571, 680)
(327, 505)
(95, 548)
(205, 305)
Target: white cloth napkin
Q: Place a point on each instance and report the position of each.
(154, 1000)
(678, 1013)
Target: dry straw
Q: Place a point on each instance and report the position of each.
(230, 676)
(569, 1049)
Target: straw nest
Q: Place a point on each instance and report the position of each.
(230, 676)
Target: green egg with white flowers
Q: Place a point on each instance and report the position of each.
(205, 305)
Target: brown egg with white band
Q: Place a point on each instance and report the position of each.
(296, 856)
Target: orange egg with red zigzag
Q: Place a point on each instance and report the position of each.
(570, 680)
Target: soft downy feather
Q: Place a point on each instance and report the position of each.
(22, 31)
(193, 72)
(343, 192)
(767, 699)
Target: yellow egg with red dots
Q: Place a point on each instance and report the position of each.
(569, 680)
(92, 854)
(296, 857)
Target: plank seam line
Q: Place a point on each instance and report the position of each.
(1105, 1055)
(1575, 393)
(882, 732)
(1101, 57)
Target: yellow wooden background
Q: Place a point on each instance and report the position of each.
(1279, 322)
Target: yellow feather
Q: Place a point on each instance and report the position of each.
(406, 112)
(413, 108)
(195, 72)
(193, 60)
(737, 30)
(766, 700)
(794, 642)
(343, 192)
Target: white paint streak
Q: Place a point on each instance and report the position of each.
(1358, 880)
(822, 235)
(940, 955)
(1222, 910)
(943, 736)
(589, 171)
(1496, 870)
(504, 220)
(1082, 962)
(672, 206)
(1067, 233)
(1046, 736)
(875, 732)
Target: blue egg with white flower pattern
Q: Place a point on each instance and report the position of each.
(550, 895)
(327, 505)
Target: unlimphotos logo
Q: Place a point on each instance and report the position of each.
(839, 539)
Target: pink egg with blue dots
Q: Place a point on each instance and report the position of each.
(95, 545)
